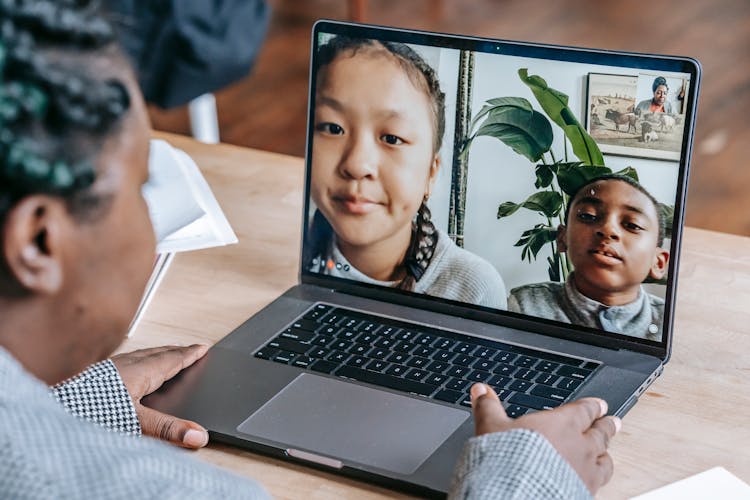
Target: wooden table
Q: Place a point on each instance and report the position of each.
(696, 416)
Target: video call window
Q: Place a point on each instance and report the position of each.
(556, 201)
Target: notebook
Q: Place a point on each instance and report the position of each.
(475, 210)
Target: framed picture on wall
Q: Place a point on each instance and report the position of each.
(636, 115)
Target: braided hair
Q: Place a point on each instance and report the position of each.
(55, 111)
(424, 235)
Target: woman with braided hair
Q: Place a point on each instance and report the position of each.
(76, 249)
(379, 124)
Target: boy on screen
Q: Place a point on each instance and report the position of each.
(613, 235)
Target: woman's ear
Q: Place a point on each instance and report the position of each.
(660, 264)
(434, 169)
(562, 246)
(32, 243)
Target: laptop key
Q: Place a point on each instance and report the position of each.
(505, 370)
(442, 343)
(357, 361)
(485, 352)
(536, 402)
(266, 352)
(527, 374)
(448, 395)
(298, 335)
(415, 374)
(305, 324)
(457, 384)
(303, 362)
(505, 357)
(550, 393)
(422, 351)
(359, 349)
(387, 381)
(465, 400)
(484, 364)
(547, 366)
(290, 345)
(444, 356)
(499, 381)
(569, 384)
(547, 378)
(338, 356)
(435, 378)
(319, 352)
(417, 362)
(525, 362)
(438, 367)
(377, 365)
(478, 376)
(573, 372)
(401, 346)
(519, 385)
(323, 366)
(457, 371)
(398, 357)
(396, 370)
(463, 360)
(284, 357)
(464, 348)
(515, 411)
(378, 353)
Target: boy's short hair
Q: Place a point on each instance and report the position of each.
(637, 185)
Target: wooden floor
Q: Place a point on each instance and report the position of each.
(267, 110)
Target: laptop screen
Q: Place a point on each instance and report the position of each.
(525, 180)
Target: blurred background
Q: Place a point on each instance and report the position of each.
(267, 108)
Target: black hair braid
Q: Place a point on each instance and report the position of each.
(53, 115)
(421, 248)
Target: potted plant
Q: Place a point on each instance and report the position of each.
(514, 122)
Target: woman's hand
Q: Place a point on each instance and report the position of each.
(143, 372)
(579, 431)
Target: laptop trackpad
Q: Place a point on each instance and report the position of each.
(353, 423)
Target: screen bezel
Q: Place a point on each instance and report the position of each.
(636, 61)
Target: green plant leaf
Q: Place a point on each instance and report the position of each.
(546, 202)
(544, 175)
(555, 104)
(667, 212)
(572, 176)
(534, 239)
(628, 172)
(506, 209)
(519, 127)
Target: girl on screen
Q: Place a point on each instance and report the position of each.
(378, 127)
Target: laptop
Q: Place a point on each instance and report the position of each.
(366, 372)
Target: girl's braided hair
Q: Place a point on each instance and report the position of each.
(424, 235)
(55, 112)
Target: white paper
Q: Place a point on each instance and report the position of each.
(183, 211)
(713, 483)
(168, 194)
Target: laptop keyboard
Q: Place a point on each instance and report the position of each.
(430, 362)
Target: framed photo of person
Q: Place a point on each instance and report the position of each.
(636, 115)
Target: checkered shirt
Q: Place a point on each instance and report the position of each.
(99, 396)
